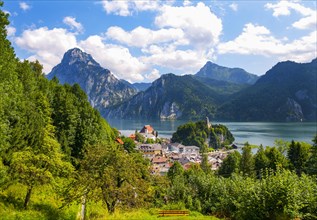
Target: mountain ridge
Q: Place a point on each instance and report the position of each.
(221, 73)
(287, 92)
(101, 86)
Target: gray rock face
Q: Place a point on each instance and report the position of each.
(170, 111)
(101, 86)
(293, 110)
(169, 97)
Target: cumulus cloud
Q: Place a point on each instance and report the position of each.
(171, 58)
(73, 24)
(24, 6)
(136, 36)
(201, 27)
(283, 8)
(258, 40)
(10, 31)
(48, 46)
(128, 7)
(183, 41)
(116, 58)
(155, 74)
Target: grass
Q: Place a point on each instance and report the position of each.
(152, 214)
(45, 205)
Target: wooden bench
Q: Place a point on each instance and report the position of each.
(163, 213)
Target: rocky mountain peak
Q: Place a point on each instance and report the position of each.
(76, 55)
(221, 73)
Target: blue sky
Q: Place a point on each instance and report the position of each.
(140, 40)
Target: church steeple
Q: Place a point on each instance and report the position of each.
(208, 123)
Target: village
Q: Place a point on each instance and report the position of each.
(163, 153)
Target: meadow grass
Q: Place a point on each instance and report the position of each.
(45, 205)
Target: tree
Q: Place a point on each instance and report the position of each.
(260, 161)
(276, 158)
(298, 155)
(128, 144)
(312, 161)
(41, 162)
(214, 139)
(107, 172)
(230, 164)
(175, 170)
(247, 160)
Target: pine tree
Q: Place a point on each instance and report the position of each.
(298, 156)
(312, 161)
(260, 161)
(247, 161)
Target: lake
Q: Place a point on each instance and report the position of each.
(264, 133)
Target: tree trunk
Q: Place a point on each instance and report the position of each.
(83, 207)
(28, 197)
(111, 207)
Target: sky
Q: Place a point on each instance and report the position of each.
(140, 40)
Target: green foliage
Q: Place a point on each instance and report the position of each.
(129, 144)
(260, 161)
(197, 133)
(298, 155)
(247, 161)
(312, 161)
(175, 171)
(230, 165)
(110, 174)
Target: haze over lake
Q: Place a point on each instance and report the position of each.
(264, 133)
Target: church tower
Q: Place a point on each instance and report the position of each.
(208, 123)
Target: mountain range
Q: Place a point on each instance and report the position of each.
(101, 86)
(287, 92)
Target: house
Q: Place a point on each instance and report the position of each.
(148, 132)
(159, 160)
(119, 141)
(175, 147)
(184, 160)
(186, 150)
(150, 150)
(132, 136)
(147, 129)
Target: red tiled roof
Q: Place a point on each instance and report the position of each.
(119, 141)
(148, 127)
(159, 160)
(132, 136)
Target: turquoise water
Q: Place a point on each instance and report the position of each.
(264, 133)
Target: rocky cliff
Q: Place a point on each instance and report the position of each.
(101, 86)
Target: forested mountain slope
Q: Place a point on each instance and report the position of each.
(287, 92)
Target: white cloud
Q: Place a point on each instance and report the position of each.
(48, 46)
(155, 74)
(173, 59)
(309, 22)
(258, 40)
(116, 58)
(137, 37)
(128, 7)
(283, 8)
(201, 27)
(24, 6)
(73, 24)
(187, 3)
(10, 31)
(234, 6)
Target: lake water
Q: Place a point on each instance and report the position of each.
(264, 133)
